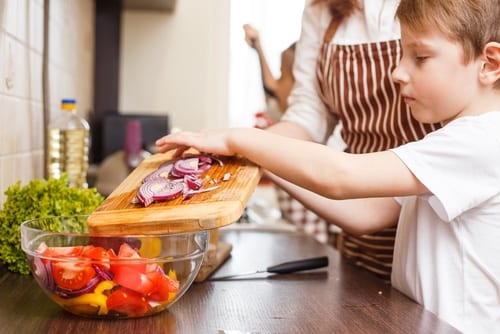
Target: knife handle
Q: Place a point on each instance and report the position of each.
(299, 265)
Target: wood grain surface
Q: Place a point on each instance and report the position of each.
(209, 210)
(341, 299)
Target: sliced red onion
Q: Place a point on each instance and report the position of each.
(175, 177)
(88, 288)
(219, 161)
(189, 193)
(193, 182)
(43, 273)
(162, 172)
(159, 190)
(104, 274)
(170, 191)
(144, 194)
(187, 166)
(206, 158)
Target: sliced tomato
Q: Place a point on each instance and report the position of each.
(127, 251)
(164, 286)
(133, 279)
(98, 255)
(95, 253)
(70, 251)
(72, 275)
(127, 257)
(127, 302)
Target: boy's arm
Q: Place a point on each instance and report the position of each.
(318, 168)
(355, 216)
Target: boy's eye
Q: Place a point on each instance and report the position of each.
(421, 58)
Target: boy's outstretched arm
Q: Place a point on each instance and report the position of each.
(318, 168)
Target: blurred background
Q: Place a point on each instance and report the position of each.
(169, 63)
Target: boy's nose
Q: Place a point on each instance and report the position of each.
(398, 75)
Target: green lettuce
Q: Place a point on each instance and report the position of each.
(37, 199)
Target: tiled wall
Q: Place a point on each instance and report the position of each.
(70, 52)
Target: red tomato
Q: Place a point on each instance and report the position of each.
(133, 279)
(70, 251)
(71, 275)
(127, 251)
(95, 253)
(163, 286)
(127, 302)
(128, 256)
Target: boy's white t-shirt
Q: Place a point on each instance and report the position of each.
(447, 252)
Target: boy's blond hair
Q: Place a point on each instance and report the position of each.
(472, 23)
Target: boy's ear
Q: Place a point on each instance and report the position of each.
(490, 70)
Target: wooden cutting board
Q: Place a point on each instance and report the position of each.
(203, 211)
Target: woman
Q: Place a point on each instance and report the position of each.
(278, 89)
(343, 64)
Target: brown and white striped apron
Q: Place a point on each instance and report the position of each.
(355, 83)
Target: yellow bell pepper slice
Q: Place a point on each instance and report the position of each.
(96, 299)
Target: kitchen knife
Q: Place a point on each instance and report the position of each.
(283, 268)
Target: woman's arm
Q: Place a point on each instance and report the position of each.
(253, 40)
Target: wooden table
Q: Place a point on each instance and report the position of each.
(337, 299)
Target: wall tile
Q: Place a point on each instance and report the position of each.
(35, 29)
(16, 135)
(8, 19)
(35, 74)
(70, 72)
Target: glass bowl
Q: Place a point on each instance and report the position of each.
(106, 276)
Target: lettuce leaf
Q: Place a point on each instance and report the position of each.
(39, 198)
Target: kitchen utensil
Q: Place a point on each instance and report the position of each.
(283, 268)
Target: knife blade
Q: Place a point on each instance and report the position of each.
(282, 268)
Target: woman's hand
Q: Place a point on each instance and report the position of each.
(208, 141)
(251, 36)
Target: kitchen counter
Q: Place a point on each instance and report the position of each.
(338, 299)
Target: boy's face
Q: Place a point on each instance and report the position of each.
(435, 81)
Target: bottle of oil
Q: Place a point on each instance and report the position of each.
(68, 145)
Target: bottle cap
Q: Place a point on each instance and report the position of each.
(68, 104)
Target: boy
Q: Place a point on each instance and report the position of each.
(445, 188)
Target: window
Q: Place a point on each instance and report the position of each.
(278, 23)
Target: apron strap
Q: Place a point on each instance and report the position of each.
(332, 29)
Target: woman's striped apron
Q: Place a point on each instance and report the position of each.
(355, 83)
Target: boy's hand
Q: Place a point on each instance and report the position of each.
(209, 141)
